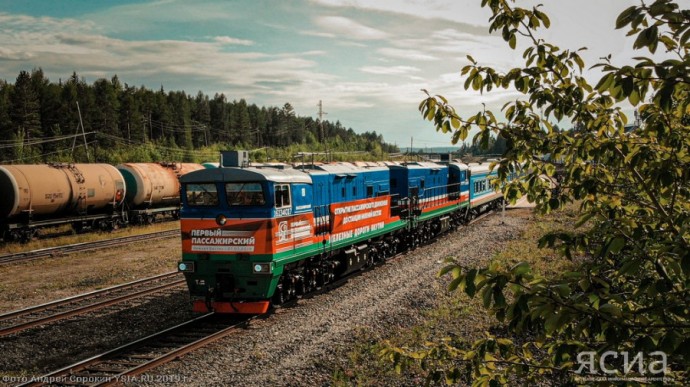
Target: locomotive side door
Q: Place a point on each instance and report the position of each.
(302, 223)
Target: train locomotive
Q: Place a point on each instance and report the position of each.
(253, 236)
(87, 196)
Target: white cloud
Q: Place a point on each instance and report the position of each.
(147, 15)
(233, 41)
(348, 28)
(72, 47)
(392, 70)
(408, 54)
(456, 11)
(318, 34)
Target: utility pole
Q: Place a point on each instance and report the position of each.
(83, 133)
(411, 146)
(323, 134)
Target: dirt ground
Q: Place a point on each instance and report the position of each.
(39, 281)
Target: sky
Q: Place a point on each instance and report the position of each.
(367, 61)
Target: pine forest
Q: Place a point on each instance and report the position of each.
(111, 122)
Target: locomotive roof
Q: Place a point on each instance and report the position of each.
(246, 174)
(418, 165)
(345, 168)
(479, 167)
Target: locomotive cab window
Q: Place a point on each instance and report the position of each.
(201, 194)
(245, 194)
(282, 195)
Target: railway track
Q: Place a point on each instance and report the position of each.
(23, 319)
(79, 247)
(124, 363)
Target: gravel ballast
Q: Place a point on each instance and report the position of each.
(39, 350)
(304, 344)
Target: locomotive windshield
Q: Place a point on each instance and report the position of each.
(204, 194)
(245, 194)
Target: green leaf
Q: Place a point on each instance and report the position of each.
(486, 297)
(647, 38)
(563, 290)
(520, 269)
(551, 323)
(616, 245)
(455, 122)
(625, 17)
(610, 309)
(545, 19)
(457, 283)
(634, 98)
(470, 282)
(513, 41)
(583, 219)
(446, 269)
(685, 263)
(594, 300)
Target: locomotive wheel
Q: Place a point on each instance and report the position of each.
(301, 287)
(279, 295)
(320, 278)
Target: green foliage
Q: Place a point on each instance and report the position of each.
(629, 292)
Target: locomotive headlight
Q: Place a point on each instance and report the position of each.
(262, 268)
(221, 220)
(186, 267)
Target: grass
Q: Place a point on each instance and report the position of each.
(36, 244)
(456, 316)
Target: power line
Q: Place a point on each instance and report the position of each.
(44, 141)
(66, 151)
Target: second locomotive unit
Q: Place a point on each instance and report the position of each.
(256, 235)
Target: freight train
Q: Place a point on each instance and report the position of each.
(252, 236)
(95, 196)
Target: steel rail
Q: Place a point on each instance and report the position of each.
(60, 315)
(88, 372)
